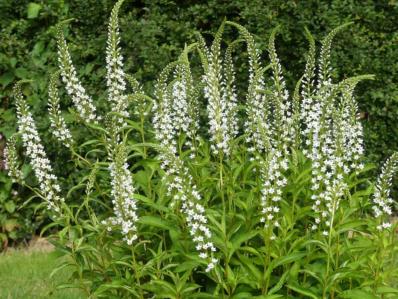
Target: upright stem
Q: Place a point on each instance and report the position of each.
(221, 170)
(329, 249)
(137, 277)
(294, 209)
(143, 135)
(267, 259)
(380, 252)
(75, 260)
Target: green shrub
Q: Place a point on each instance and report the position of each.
(156, 31)
(196, 191)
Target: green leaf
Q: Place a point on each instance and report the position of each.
(74, 188)
(10, 206)
(186, 266)
(156, 222)
(13, 235)
(162, 289)
(252, 269)
(38, 48)
(275, 296)
(6, 78)
(60, 267)
(303, 291)
(386, 290)
(22, 73)
(201, 296)
(350, 226)
(289, 258)
(358, 294)
(280, 283)
(242, 295)
(33, 10)
(150, 203)
(26, 170)
(10, 224)
(3, 237)
(242, 236)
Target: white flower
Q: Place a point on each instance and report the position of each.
(220, 93)
(176, 111)
(124, 205)
(382, 203)
(11, 163)
(35, 151)
(115, 76)
(180, 186)
(57, 122)
(332, 134)
(273, 182)
(74, 88)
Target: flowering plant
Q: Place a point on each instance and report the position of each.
(202, 190)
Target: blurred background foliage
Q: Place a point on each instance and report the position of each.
(154, 33)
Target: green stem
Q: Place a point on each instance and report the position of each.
(80, 157)
(221, 170)
(329, 249)
(380, 253)
(267, 260)
(81, 283)
(137, 276)
(143, 135)
(294, 210)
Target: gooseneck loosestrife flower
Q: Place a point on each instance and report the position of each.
(122, 191)
(179, 181)
(230, 94)
(332, 133)
(124, 205)
(350, 129)
(41, 166)
(281, 104)
(115, 76)
(268, 129)
(176, 110)
(180, 184)
(184, 101)
(164, 115)
(280, 141)
(273, 181)
(382, 201)
(11, 163)
(57, 122)
(307, 116)
(257, 127)
(219, 91)
(81, 100)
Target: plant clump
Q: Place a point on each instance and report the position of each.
(201, 190)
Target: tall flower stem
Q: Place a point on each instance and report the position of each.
(142, 132)
(136, 274)
(329, 253)
(221, 177)
(267, 260)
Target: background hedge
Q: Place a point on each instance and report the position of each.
(155, 31)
